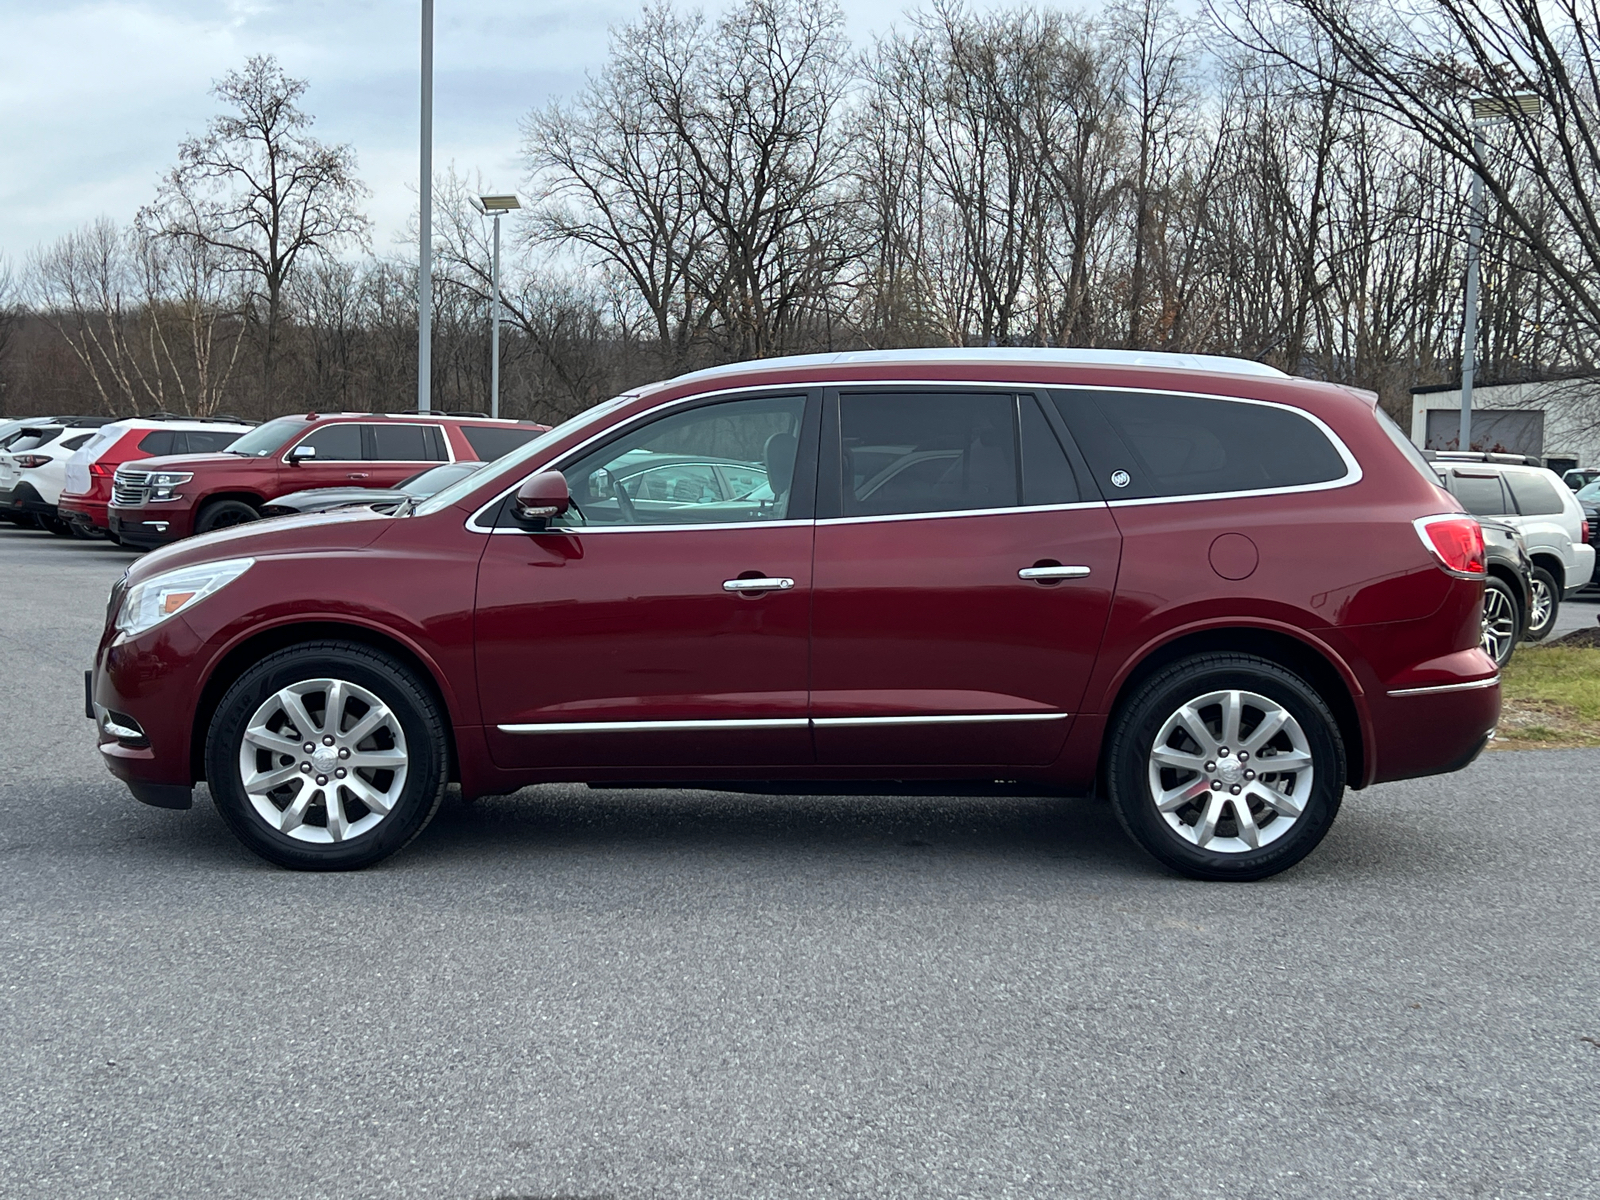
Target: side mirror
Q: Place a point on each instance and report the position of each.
(302, 453)
(541, 497)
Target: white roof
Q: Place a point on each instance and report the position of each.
(177, 423)
(999, 355)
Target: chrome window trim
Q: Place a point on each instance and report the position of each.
(1437, 688)
(773, 723)
(1353, 472)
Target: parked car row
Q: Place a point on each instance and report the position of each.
(151, 480)
(1212, 593)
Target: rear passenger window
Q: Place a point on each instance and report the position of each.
(1145, 444)
(908, 453)
(77, 443)
(406, 443)
(489, 442)
(1534, 494)
(158, 442)
(31, 439)
(1480, 495)
(211, 441)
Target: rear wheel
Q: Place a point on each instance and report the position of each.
(221, 514)
(1501, 618)
(1546, 604)
(327, 756)
(1226, 767)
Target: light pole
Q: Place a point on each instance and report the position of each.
(497, 206)
(425, 237)
(1487, 110)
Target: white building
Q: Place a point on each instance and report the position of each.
(1555, 420)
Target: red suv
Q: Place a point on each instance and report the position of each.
(159, 500)
(1216, 594)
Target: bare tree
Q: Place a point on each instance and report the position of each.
(257, 189)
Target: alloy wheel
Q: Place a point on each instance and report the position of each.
(1231, 771)
(1499, 624)
(1543, 601)
(323, 760)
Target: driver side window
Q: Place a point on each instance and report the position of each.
(732, 461)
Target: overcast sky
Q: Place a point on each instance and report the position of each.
(94, 97)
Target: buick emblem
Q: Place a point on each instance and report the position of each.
(1120, 479)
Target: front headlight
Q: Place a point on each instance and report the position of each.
(161, 483)
(148, 604)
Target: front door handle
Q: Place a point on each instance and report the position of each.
(1052, 572)
(757, 585)
(358, 474)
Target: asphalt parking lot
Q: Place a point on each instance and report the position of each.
(586, 993)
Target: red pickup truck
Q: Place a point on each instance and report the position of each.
(159, 500)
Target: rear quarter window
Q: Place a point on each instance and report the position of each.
(489, 442)
(1535, 495)
(158, 442)
(1480, 495)
(1148, 445)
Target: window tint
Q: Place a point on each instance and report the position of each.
(1145, 444)
(335, 443)
(1480, 495)
(157, 442)
(665, 473)
(1535, 495)
(406, 443)
(1046, 474)
(210, 441)
(489, 442)
(907, 453)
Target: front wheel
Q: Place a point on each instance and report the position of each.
(327, 756)
(1226, 767)
(1546, 604)
(222, 514)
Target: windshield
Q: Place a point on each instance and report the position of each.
(1590, 491)
(463, 488)
(266, 439)
(425, 483)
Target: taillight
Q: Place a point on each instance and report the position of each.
(100, 469)
(1584, 536)
(30, 460)
(1456, 541)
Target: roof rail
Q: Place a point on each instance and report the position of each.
(1484, 456)
(435, 412)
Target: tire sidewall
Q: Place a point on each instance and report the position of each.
(419, 718)
(1141, 719)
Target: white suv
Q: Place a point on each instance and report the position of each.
(1546, 513)
(33, 469)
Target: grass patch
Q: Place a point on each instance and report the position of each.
(1550, 698)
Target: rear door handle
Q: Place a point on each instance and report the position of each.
(757, 585)
(1052, 572)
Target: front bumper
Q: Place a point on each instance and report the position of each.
(139, 695)
(152, 526)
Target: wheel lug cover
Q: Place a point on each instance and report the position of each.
(309, 747)
(1216, 785)
(327, 740)
(344, 753)
(306, 767)
(1249, 774)
(1211, 766)
(322, 779)
(340, 773)
(1243, 754)
(1223, 752)
(1234, 789)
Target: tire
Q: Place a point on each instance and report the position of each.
(1203, 791)
(1502, 617)
(81, 531)
(221, 514)
(1546, 606)
(302, 831)
(56, 526)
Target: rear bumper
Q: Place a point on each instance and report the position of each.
(23, 500)
(1583, 570)
(82, 508)
(1433, 729)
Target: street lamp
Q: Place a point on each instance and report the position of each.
(425, 235)
(495, 206)
(1486, 111)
